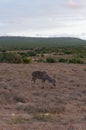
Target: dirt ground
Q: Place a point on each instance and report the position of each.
(25, 105)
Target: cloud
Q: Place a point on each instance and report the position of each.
(1, 24)
(5, 1)
(43, 17)
(73, 4)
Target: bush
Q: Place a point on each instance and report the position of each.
(42, 55)
(62, 60)
(40, 60)
(67, 51)
(23, 54)
(19, 120)
(10, 58)
(81, 56)
(26, 60)
(75, 60)
(32, 53)
(50, 60)
(45, 117)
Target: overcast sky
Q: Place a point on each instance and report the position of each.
(43, 18)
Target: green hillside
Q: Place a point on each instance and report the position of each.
(31, 42)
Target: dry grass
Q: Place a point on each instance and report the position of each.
(25, 105)
(19, 120)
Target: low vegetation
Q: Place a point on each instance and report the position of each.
(45, 117)
(19, 120)
(49, 55)
(50, 60)
(50, 50)
(10, 58)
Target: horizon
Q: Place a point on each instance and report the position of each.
(39, 36)
(66, 18)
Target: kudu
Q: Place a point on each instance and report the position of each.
(42, 75)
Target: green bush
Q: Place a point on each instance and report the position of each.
(23, 54)
(62, 60)
(75, 60)
(50, 60)
(26, 60)
(10, 58)
(67, 51)
(32, 53)
(81, 55)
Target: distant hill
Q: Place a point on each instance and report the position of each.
(30, 42)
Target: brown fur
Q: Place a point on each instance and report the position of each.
(42, 75)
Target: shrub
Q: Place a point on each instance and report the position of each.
(40, 60)
(10, 58)
(62, 60)
(50, 60)
(67, 51)
(32, 53)
(75, 60)
(23, 54)
(19, 120)
(81, 56)
(42, 55)
(26, 60)
(45, 117)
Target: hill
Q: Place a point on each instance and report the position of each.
(31, 42)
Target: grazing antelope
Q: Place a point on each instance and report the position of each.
(42, 75)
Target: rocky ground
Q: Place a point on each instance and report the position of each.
(24, 105)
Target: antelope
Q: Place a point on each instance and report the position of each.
(42, 75)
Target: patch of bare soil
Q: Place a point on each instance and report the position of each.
(25, 105)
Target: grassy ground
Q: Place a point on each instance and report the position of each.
(25, 105)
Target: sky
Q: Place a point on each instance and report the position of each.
(46, 18)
